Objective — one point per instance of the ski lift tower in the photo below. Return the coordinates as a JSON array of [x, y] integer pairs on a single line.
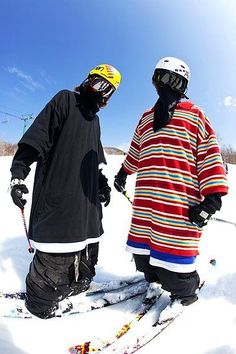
[[25, 118]]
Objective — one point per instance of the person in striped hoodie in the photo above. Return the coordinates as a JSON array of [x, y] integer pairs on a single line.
[[179, 185]]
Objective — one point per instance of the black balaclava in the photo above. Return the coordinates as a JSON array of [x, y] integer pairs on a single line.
[[164, 107], [89, 102]]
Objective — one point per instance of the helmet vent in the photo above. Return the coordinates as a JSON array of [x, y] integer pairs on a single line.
[[174, 65]]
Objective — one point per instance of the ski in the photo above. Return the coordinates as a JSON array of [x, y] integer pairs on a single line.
[[15, 308], [139, 331], [94, 289], [99, 345], [104, 287], [146, 333], [142, 340], [139, 340]]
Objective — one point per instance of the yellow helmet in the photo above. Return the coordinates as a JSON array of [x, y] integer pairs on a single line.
[[109, 73]]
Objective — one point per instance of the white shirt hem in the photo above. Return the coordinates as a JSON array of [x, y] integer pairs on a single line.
[[64, 247], [173, 267]]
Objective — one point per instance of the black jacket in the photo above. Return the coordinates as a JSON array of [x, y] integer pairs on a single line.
[[65, 205]]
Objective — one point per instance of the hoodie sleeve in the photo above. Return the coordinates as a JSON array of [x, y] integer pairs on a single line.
[[22, 160], [42, 134], [210, 168]]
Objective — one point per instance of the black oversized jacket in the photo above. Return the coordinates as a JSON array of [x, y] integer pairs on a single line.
[[66, 213]]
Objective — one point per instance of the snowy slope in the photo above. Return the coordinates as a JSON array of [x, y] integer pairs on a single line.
[[206, 327]]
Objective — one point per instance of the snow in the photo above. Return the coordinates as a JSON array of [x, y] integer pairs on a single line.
[[206, 327]]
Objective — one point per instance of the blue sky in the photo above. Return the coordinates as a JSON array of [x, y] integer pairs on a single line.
[[51, 45]]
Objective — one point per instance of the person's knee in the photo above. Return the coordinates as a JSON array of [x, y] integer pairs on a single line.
[[42, 300], [44, 286], [179, 284], [189, 281], [51, 278]]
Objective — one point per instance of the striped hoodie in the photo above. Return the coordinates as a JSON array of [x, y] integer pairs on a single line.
[[176, 167]]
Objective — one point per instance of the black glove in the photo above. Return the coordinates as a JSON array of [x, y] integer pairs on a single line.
[[105, 195], [201, 213], [120, 180], [104, 192], [17, 190]]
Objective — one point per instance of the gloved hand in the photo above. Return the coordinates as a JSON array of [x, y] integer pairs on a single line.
[[120, 180], [17, 190], [105, 195], [200, 214], [104, 192]]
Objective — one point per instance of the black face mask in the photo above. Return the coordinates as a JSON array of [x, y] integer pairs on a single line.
[[90, 101], [164, 107]]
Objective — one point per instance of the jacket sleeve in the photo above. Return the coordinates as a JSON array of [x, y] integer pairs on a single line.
[[101, 155], [210, 168], [131, 161], [43, 133], [22, 160]]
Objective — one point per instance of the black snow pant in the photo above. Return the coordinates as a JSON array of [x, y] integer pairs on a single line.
[[54, 276], [180, 285]]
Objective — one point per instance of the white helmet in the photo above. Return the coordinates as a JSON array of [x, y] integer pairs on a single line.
[[175, 65], [173, 72]]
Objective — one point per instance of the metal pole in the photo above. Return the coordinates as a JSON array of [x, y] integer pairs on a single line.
[[223, 220], [30, 249]]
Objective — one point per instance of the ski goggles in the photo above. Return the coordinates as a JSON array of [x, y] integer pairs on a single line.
[[165, 77], [99, 84]]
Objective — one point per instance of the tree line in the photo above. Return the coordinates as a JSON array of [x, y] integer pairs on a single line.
[[7, 149], [228, 153]]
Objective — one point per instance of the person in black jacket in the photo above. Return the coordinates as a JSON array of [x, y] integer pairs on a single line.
[[65, 220]]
